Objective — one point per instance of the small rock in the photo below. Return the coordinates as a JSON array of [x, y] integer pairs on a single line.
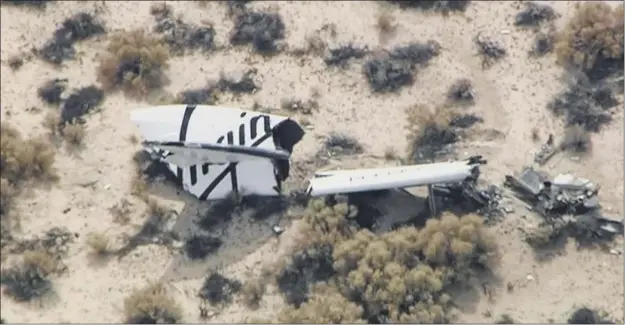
[[107, 186], [277, 230], [615, 252], [529, 277]]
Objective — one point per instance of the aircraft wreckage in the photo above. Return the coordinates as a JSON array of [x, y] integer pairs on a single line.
[[215, 152]]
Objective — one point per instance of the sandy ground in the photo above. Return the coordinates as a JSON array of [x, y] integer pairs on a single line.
[[511, 97]]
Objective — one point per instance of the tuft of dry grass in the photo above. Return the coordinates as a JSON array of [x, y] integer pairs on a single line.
[[253, 291], [121, 212], [73, 133], [99, 245], [51, 122], [135, 62], [151, 305], [594, 33], [385, 23], [15, 62]]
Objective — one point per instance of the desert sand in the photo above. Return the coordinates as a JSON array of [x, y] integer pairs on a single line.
[[510, 96]]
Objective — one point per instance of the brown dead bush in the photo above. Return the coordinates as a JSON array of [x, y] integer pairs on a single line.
[[25, 159], [135, 62], [326, 224], [21, 160], [152, 305], [595, 32], [325, 306]]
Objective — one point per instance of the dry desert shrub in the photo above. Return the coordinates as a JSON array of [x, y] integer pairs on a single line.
[[402, 276], [135, 62], [73, 133], [325, 306], [24, 159], [429, 132], [461, 91], [218, 289], [99, 245], [594, 34], [21, 160], [151, 305], [31, 278]]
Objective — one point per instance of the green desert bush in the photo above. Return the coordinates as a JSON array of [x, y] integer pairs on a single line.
[[402, 276], [151, 305], [595, 32], [135, 62]]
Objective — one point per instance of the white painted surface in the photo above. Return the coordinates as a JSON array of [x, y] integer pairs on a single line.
[[386, 178]]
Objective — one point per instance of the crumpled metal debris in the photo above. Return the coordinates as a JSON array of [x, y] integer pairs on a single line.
[[470, 198], [564, 198], [546, 152]]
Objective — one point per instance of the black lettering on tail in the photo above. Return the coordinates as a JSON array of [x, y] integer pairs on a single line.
[[183, 134]]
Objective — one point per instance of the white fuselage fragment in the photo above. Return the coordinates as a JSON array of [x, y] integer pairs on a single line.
[[358, 180], [211, 173]]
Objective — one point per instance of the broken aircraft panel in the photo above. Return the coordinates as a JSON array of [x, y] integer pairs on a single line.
[[360, 180], [186, 154], [565, 197], [192, 139]]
